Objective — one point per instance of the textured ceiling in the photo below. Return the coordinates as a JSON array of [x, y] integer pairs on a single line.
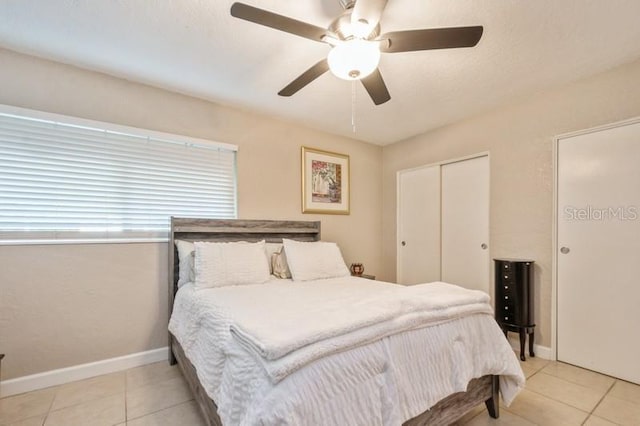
[[195, 47]]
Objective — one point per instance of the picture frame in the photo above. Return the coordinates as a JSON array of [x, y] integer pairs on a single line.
[[325, 182]]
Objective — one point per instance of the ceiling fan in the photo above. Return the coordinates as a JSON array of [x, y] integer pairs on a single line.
[[357, 43]]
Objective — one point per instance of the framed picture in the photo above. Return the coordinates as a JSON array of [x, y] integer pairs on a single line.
[[325, 182]]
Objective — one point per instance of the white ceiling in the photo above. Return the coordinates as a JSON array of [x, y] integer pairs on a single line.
[[195, 47]]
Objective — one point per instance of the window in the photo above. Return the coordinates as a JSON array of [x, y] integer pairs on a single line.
[[64, 179]]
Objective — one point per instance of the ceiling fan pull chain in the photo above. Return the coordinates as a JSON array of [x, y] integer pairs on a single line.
[[353, 106]]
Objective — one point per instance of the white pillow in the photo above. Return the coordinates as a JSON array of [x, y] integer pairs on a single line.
[[224, 264], [279, 266], [314, 260], [186, 252]]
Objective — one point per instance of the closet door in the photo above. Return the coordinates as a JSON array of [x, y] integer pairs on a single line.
[[598, 252], [418, 250], [465, 223], [443, 224]]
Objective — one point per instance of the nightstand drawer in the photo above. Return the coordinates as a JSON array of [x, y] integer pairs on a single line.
[[505, 294], [506, 277], [510, 308]]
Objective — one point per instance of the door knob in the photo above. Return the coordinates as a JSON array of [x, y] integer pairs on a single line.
[[484, 246], [404, 243], [565, 250]]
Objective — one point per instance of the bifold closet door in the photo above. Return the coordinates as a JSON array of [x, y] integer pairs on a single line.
[[465, 223], [418, 227], [598, 251]]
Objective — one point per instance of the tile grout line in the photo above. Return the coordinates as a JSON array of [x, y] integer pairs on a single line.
[[556, 400], [162, 409], [75, 404], [604, 396], [534, 373], [559, 402], [158, 410], [46, 415], [126, 391], [564, 403], [600, 401], [580, 384]]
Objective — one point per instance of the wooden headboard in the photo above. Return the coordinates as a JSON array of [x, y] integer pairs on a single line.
[[272, 231]]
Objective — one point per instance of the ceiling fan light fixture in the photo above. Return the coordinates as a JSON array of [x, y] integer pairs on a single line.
[[360, 29], [357, 42], [354, 59]]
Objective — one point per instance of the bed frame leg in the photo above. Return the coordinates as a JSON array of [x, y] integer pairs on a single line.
[[493, 403], [172, 357]]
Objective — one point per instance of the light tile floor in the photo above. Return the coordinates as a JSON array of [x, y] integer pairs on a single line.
[[157, 395]]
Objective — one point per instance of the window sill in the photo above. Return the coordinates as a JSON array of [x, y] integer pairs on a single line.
[[84, 241]]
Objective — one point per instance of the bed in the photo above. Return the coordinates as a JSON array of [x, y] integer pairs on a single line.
[[306, 385]]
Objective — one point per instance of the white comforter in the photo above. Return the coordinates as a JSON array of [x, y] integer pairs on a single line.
[[343, 351], [345, 317]]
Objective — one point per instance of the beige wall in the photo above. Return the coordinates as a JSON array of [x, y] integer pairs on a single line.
[[519, 138], [62, 305]]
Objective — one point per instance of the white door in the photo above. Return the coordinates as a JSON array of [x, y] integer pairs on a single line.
[[598, 236], [418, 225], [465, 223]]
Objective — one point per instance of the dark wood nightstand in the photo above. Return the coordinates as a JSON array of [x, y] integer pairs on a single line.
[[514, 299], [369, 277]]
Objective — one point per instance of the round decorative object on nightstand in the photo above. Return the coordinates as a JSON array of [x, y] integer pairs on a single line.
[[357, 269]]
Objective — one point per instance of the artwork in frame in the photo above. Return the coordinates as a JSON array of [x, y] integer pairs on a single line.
[[325, 182]]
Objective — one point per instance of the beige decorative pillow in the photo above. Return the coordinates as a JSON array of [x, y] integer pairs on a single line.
[[279, 265], [272, 248]]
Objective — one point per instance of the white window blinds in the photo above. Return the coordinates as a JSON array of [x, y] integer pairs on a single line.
[[68, 179]]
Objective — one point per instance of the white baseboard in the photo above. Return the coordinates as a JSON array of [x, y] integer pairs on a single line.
[[543, 352], [106, 366], [79, 372]]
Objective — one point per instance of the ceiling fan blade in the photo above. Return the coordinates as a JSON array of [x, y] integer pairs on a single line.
[[428, 39], [376, 88], [279, 22], [369, 11], [305, 78]]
